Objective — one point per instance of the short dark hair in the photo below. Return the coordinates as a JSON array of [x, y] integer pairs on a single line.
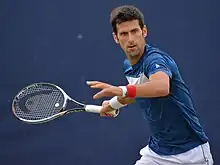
[[125, 13]]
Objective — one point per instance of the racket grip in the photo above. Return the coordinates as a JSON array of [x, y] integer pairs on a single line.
[[97, 109]]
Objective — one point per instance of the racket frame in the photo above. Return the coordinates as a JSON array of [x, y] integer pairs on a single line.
[[84, 107]]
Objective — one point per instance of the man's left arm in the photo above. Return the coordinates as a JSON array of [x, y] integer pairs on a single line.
[[158, 85]]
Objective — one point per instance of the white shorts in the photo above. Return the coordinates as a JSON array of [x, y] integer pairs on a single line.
[[200, 155]]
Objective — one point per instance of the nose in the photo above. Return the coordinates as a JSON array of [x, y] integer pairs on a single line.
[[130, 38]]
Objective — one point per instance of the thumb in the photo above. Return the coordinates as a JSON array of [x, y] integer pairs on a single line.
[[105, 103]]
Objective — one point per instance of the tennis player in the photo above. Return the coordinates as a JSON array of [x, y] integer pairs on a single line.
[[155, 82]]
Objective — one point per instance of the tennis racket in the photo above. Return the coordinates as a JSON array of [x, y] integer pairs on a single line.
[[42, 102]]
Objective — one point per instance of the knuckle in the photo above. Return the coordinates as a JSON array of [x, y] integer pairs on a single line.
[[106, 102]]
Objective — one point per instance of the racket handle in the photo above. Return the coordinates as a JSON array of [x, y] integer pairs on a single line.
[[97, 109]]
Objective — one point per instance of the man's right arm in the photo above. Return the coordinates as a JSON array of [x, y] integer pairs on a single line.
[[125, 100]]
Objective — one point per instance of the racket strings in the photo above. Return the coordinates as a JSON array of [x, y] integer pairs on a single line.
[[39, 102]]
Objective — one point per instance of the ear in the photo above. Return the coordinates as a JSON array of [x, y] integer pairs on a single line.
[[144, 31], [115, 38]]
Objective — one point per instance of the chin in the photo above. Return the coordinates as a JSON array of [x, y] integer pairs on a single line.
[[136, 54]]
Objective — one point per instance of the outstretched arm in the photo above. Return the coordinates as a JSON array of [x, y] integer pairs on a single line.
[[157, 86]]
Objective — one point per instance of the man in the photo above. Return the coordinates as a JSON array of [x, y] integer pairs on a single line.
[[156, 84]]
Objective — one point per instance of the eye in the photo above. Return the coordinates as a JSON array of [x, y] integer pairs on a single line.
[[123, 33], [134, 30]]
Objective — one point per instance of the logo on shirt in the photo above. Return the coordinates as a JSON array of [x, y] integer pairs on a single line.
[[157, 66]]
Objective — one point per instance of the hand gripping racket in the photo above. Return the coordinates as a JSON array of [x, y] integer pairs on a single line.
[[43, 102]]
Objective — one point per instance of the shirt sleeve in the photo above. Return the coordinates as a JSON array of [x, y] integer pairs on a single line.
[[157, 63]]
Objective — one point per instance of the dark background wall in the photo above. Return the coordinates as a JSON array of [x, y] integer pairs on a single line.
[[68, 42]]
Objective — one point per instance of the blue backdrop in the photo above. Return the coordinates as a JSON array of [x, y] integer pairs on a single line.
[[68, 42]]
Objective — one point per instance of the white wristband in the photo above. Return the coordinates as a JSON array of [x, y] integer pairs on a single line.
[[124, 90], [115, 104]]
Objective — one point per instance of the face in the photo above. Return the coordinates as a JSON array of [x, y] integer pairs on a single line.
[[131, 38]]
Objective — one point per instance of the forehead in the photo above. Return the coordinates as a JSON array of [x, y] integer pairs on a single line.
[[128, 25]]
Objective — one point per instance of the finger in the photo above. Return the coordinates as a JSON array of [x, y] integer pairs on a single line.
[[100, 86], [95, 84], [92, 82], [103, 110], [105, 114], [107, 92], [105, 103], [102, 93]]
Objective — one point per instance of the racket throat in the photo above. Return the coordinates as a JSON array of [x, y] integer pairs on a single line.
[[72, 106]]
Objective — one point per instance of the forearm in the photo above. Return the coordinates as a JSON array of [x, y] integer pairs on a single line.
[[155, 88]]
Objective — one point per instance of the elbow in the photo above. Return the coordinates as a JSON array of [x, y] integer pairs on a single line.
[[163, 90]]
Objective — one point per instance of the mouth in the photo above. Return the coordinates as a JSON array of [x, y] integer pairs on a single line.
[[131, 46]]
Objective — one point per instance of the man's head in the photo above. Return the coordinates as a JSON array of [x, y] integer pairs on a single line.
[[129, 30]]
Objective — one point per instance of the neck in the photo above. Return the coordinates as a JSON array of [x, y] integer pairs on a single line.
[[134, 60]]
